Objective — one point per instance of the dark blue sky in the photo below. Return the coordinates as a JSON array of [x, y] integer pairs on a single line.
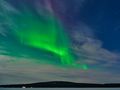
[[103, 16]]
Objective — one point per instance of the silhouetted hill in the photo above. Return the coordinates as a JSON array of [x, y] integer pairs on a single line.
[[59, 84]]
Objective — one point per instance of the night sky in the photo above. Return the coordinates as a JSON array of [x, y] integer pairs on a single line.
[[53, 40], [104, 17]]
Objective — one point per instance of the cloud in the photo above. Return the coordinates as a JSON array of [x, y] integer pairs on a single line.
[[24, 70], [7, 7], [86, 44], [89, 48]]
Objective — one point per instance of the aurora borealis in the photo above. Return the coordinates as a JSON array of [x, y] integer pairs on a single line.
[[47, 40], [43, 32]]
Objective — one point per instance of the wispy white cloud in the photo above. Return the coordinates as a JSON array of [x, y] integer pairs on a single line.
[[7, 7], [24, 70], [90, 47]]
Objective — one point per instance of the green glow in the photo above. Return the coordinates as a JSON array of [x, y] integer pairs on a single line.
[[44, 32]]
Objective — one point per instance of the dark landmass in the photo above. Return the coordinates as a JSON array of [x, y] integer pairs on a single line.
[[60, 84]]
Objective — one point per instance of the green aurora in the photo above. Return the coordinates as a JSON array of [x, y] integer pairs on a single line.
[[44, 32]]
